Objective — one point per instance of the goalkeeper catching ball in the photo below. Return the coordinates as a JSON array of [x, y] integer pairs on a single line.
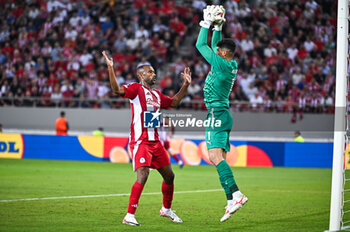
[[218, 85]]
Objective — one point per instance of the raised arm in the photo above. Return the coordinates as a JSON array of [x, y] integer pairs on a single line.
[[203, 47], [186, 75], [214, 41], [217, 29], [112, 80]]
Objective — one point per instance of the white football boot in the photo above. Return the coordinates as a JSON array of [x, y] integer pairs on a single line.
[[231, 209], [170, 214], [130, 220], [181, 164]]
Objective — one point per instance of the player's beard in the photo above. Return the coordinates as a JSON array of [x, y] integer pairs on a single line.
[[151, 81]]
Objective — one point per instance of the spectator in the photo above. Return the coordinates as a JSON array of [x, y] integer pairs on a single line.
[[244, 82], [193, 89], [158, 26], [309, 44], [256, 101], [70, 33], [56, 94], [85, 57], [84, 17], [141, 32], [132, 43], [106, 24], [297, 76], [200, 68], [178, 26], [102, 90], [91, 87], [308, 12], [247, 44], [120, 43], [270, 51], [292, 51]]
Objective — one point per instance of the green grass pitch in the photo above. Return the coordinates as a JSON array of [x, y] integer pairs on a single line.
[[280, 199]]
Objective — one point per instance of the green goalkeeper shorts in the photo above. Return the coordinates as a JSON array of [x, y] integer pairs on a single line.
[[218, 136]]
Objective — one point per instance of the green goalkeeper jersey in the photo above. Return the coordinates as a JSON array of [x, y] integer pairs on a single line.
[[222, 75]]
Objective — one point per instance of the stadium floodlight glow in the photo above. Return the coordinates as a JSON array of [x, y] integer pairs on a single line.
[[339, 118]]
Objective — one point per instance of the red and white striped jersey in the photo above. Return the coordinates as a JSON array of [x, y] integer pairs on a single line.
[[280, 84], [302, 102], [316, 101], [144, 99]]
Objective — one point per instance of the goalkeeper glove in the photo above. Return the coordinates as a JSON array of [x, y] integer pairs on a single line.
[[219, 17], [207, 17]]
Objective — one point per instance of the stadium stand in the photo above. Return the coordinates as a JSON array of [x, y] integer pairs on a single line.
[[51, 52]]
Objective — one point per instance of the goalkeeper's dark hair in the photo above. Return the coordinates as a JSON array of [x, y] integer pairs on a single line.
[[228, 44]]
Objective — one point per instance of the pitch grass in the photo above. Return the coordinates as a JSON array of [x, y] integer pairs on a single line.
[[280, 199]]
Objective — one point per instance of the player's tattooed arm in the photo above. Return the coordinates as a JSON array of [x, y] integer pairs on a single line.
[[186, 75], [114, 84]]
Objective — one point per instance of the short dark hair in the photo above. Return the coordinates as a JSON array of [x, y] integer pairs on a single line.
[[63, 113], [229, 44], [140, 69]]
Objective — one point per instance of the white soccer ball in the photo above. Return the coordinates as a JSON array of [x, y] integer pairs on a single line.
[[218, 14]]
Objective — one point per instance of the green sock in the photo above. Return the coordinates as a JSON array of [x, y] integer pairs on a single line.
[[227, 180]]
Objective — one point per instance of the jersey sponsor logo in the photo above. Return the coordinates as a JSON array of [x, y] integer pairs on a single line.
[[142, 160], [234, 71], [153, 103], [151, 119]]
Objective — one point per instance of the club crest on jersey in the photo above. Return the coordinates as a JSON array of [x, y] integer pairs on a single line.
[[153, 103], [151, 119]]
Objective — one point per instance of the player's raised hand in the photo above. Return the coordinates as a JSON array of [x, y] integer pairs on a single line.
[[208, 14], [186, 75], [219, 13], [109, 61], [218, 17], [207, 17]]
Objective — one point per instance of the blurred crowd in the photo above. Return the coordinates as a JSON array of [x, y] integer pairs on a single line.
[[52, 49]]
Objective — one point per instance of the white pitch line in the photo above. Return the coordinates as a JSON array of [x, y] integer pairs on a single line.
[[154, 193], [294, 191], [107, 195]]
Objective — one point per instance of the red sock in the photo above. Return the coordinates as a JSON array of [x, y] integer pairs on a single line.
[[135, 194], [176, 158], [168, 192]]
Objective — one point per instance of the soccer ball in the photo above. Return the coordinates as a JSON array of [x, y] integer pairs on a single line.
[[218, 14]]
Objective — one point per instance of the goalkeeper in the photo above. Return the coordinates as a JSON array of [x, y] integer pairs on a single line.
[[218, 85]]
